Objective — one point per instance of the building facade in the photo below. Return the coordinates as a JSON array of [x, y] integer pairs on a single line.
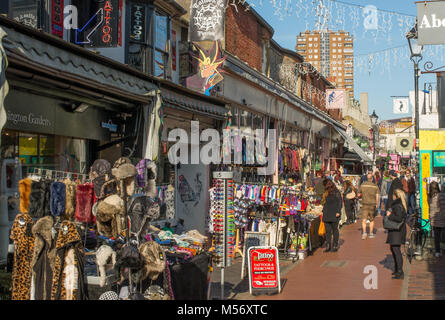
[[331, 53]]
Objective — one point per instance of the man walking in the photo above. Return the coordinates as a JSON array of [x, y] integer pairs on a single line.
[[369, 192], [409, 187]]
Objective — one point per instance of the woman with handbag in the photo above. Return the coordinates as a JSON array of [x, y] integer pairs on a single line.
[[349, 196], [394, 222], [331, 215]]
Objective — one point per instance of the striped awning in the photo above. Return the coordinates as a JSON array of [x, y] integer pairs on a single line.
[[179, 101]]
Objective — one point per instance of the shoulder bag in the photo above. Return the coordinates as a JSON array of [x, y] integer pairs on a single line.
[[392, 225]]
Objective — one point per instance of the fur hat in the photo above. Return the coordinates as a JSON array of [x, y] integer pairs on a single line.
[[58, 198], [39, 199], [128, 257], [153, 257], [25, 192], [108, 215], [84, 202], [103, 255]]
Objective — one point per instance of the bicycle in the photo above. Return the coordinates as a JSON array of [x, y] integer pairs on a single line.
[[417, 236]]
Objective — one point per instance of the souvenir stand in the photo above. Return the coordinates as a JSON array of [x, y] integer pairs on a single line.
[[90, 236], [222, 224]]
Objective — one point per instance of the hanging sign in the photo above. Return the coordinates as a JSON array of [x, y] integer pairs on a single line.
[[264, 270], [57, 18], [401, 105], [207, 20], [137, 23], [431, 22]]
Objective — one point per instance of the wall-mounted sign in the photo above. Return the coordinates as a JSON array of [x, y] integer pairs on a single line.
[[207, 20], [264, 270], [137, 23], [438, 159], [335, 99], [57, 18], [110, 126], [431, 22], [100, 27], [25, 12]]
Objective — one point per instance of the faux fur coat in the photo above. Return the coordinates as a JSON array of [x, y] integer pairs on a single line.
[[43, 258], [68, 281], [39, 201], [25, 191], [23, 249], [84, 202], [70, 206], [58, 198]]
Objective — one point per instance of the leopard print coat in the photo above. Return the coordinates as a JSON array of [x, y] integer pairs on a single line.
[[68, 278], [23, 251]]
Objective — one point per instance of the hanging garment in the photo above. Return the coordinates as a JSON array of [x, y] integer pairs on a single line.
[[58, 198], [43, 258], [70, 204], [68, 281], [39, 200], [84, 202], [23, 249], [25, 192]]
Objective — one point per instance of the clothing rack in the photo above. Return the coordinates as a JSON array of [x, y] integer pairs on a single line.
[[55, 173]]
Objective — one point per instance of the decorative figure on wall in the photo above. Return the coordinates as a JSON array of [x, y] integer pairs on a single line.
[[209, 74]]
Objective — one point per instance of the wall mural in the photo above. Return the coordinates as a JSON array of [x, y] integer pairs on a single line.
[[209, 69]]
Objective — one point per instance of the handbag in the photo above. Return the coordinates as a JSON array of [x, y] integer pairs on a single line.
[[392, 225], [321, 229]]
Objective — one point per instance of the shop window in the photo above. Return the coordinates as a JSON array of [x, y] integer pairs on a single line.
[[44, 151], [148, 51]]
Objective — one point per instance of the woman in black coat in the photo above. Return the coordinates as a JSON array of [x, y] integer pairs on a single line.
[[397, 237], [331, 215]]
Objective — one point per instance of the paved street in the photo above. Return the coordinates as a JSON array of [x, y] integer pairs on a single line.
[[340, 276]]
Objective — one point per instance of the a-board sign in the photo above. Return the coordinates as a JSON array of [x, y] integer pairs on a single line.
[[253, 239], [264, 270]]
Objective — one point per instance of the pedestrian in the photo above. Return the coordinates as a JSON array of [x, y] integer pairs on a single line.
[[349, 196], [378, 180], [319, 186], [409, 187], [331, 215], [397, 237], [436, 202], [369, 192], [364, 178], [384, 189], [395, 184]]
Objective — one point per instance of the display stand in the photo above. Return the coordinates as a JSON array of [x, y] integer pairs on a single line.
[[224, 235]]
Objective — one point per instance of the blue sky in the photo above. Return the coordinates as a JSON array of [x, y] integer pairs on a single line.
[[390, 72]]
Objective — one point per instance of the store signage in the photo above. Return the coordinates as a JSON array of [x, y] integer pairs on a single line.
[[207, 20], [439, 159], [431, 22], [264, 270], [137, 24], [110, 126], [30, 118], [102, 28], [57, 18], [25, 12]]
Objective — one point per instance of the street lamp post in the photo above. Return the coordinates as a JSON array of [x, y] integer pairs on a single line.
[[416, 57], [374, 118]]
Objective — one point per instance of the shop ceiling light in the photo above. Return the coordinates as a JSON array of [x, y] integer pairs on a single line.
[[80, 108]]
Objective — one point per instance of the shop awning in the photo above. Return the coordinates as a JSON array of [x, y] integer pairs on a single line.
[[182, 102], [353, 146]]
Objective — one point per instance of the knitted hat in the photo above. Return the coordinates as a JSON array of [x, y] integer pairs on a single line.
[[25, 191]]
